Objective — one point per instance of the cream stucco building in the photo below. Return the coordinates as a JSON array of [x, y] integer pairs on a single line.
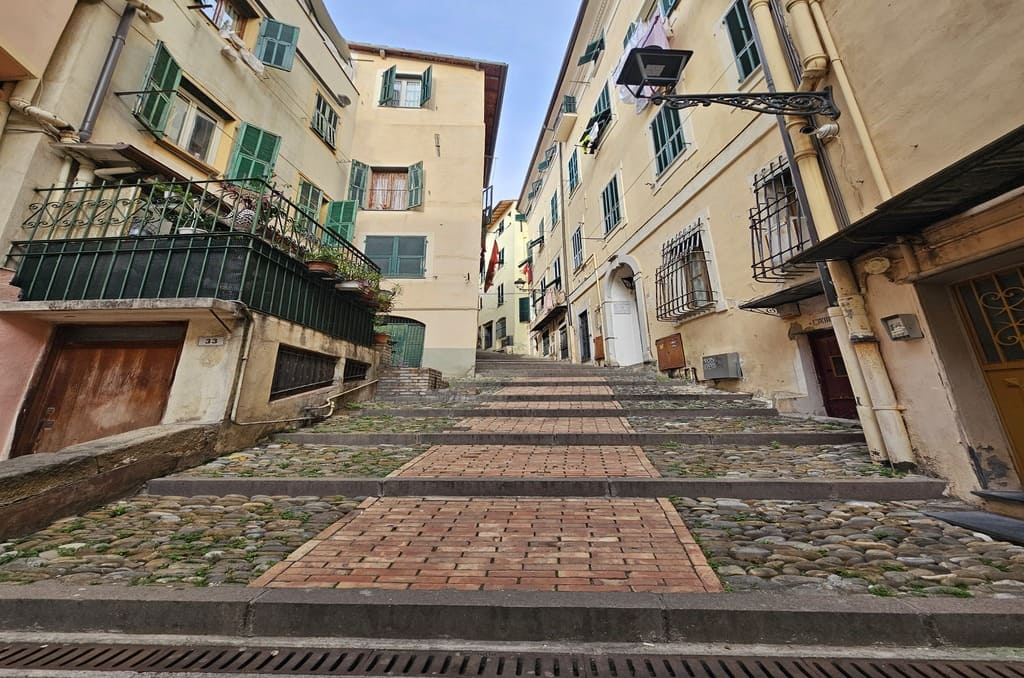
[[505, 309], [743, 250]]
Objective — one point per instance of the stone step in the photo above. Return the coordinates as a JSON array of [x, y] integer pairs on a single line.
[[624, 398], [679, 413], [739, 618], [640, 439], [905, 489]]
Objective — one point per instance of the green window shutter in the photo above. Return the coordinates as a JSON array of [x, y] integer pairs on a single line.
[[427, 85], [524, 309], [568, 104], [325, 120], [162, 79], [592, 51], [276, 44], [387, 87], [357, 181], [341, 221], [667, 6], [574, 170], [416, 185], [632, 29], [554, 208], [254, 154], [398, 256]]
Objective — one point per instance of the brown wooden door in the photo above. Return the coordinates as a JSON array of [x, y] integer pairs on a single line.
[[832, 376], [993, 309], [92, 388]]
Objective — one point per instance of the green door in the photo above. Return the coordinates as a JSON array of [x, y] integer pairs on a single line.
[[406, 341]]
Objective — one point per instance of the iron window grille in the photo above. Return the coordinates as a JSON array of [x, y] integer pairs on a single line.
[[297, 371], [778, 227], [683, 280], [355, 370], [500, 330]]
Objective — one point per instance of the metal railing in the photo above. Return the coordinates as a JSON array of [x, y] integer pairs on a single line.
[[238, 241]]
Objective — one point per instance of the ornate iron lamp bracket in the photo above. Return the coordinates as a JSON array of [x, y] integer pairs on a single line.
[[774, 103]]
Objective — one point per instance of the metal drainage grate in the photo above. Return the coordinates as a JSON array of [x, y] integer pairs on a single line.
[[366, 662]]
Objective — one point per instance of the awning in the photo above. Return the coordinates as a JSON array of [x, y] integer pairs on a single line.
[[789, 295], [551, 314], [981, 176]]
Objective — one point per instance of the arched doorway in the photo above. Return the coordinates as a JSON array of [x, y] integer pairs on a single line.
[[622, 317], [406, 340]]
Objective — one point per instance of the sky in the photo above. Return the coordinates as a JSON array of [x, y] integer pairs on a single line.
[[490, 30]]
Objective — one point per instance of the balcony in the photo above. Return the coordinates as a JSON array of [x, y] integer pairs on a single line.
[[551, 305], [566, 118], [237, 241]]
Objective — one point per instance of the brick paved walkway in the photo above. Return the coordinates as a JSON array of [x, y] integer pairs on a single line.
[[545, 425], [529, 461], [502, 544]]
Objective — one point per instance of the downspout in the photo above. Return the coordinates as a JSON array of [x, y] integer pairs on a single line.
[[813, 60], [99, 92], [862, 345]]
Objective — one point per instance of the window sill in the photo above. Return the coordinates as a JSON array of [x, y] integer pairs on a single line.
[[609, 233], [211, 171]]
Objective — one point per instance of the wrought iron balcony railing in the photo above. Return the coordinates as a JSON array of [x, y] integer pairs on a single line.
[[238, 241]]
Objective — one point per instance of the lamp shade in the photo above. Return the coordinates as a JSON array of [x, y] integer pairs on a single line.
[[653, 67]]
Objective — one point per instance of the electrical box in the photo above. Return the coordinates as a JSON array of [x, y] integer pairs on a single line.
[[902, 327], [670, 352], [722, 366]]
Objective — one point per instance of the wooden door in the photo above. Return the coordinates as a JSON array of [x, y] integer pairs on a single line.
[[993, 310], [836, 390], [95, 384]]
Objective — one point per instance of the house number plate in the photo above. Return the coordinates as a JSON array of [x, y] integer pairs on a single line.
[[211, 341]]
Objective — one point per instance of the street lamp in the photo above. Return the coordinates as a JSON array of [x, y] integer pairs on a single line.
[[655, 67]]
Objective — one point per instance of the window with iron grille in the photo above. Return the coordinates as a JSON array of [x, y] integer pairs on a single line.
[[297, 371], [355, 370], [610, 205], [778, 229], [683, 281], [577, 248], [499, 328], [324, 121], [667, 133], [741, 37]]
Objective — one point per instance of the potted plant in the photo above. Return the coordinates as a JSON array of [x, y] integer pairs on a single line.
[[356, 276], [322, 260]]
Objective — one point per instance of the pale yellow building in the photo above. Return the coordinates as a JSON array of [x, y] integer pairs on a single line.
[[693, 235], [505, 309], [422, 158]]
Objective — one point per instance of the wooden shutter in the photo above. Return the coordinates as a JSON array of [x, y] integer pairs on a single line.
[[357, 181], [388, 97], [276, 44], [341, 221], [667, 6], [416, 185], [524, 309], [592, 51], [427, 85], [254, 154], [163, 76]]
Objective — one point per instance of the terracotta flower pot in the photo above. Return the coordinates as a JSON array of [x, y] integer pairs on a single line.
[[324, 268], [381, 338]]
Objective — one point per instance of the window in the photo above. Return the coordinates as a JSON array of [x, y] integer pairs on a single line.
[[667, 132], [546, 342], [554, 208], [598, 122], [325, 120], [668, 5], [225, 15], [604, 101], [192, 128], [355, 370], [501, 294], [298, 371], [403, 90], [556, 273], [501, 257], [574, 170], [741, 37], [683, 281], [577, 248], [592, 52], [386, 188], [340, 221], [524, 309], [309, 199], [276, 44], [159, 85], [500, 330], [629, 33], [398, 256], [254, 154], [777, 227], [610, 205]]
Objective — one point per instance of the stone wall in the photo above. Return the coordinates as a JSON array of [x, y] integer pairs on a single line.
[[409, 381]]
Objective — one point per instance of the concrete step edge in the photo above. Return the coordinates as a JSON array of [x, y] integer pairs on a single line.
[[468, 438], [748, 618], [677, 412], [867, 489]]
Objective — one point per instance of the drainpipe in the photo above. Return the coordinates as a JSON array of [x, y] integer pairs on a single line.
[[813, 61], [862, 344], [99, 92]]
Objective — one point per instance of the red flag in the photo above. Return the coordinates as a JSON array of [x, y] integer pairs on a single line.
[[528, 271], [491, 267]]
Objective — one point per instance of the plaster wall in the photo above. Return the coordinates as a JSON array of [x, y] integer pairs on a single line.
[[24, 341], [28, 35], [512, 240], [205, 379], [447, 135]]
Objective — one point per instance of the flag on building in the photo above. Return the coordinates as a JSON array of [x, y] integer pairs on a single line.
[[492, 266]]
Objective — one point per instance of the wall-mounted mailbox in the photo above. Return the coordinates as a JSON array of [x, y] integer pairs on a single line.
[[722, 366], [902, 327], [670, 352]]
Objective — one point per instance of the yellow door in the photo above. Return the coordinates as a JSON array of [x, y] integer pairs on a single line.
[[993, 307]]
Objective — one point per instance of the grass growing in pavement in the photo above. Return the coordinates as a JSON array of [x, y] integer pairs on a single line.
[[384, 423], [289, 460]]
